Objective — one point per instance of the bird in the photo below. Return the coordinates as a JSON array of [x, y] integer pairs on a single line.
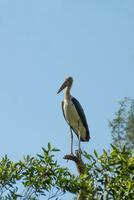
[[74, 114]]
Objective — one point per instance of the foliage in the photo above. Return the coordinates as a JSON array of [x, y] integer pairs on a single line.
[[109, 176], [39, 176], [123, 124], [113, 174]]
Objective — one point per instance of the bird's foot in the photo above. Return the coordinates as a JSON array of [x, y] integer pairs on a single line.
[[78, 151], [71, 153]]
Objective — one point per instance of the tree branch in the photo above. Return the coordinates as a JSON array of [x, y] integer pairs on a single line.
[[78, 161]]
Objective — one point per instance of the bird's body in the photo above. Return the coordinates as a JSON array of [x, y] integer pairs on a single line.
[[74, 114], [74, 119]]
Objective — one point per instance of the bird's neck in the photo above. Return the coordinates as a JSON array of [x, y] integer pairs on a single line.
[[67, 94]]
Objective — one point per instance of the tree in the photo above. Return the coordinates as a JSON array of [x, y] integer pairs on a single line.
[[109, 176], [122, 125]]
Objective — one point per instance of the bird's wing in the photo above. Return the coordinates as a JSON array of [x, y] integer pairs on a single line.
[[82, 116]]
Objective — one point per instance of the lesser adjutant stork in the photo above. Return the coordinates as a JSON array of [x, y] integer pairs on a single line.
[[74, 114]]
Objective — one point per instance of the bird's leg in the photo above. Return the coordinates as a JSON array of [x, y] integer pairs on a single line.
[[79, 145], [79, 140], [71, 140]]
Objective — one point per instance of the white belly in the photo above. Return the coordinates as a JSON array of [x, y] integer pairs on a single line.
[[73, 118]]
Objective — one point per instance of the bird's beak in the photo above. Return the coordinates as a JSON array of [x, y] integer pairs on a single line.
[[62, 87]]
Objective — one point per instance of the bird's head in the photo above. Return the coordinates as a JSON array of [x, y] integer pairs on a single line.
[[67, 83]]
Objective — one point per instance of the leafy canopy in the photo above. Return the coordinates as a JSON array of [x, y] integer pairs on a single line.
[[109, 176], [122, 125]]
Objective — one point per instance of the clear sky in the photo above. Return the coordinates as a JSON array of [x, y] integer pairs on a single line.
[[42, 42]]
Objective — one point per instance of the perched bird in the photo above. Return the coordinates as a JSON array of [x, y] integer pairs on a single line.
[[74, 114]]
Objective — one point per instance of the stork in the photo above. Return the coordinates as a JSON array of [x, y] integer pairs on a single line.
[[74, 114]]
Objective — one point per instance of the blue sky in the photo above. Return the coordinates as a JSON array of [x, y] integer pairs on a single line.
[[42, 42]]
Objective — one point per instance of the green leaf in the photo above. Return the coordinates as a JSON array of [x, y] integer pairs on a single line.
[[54, 149], [49, 146], [95, 153]]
